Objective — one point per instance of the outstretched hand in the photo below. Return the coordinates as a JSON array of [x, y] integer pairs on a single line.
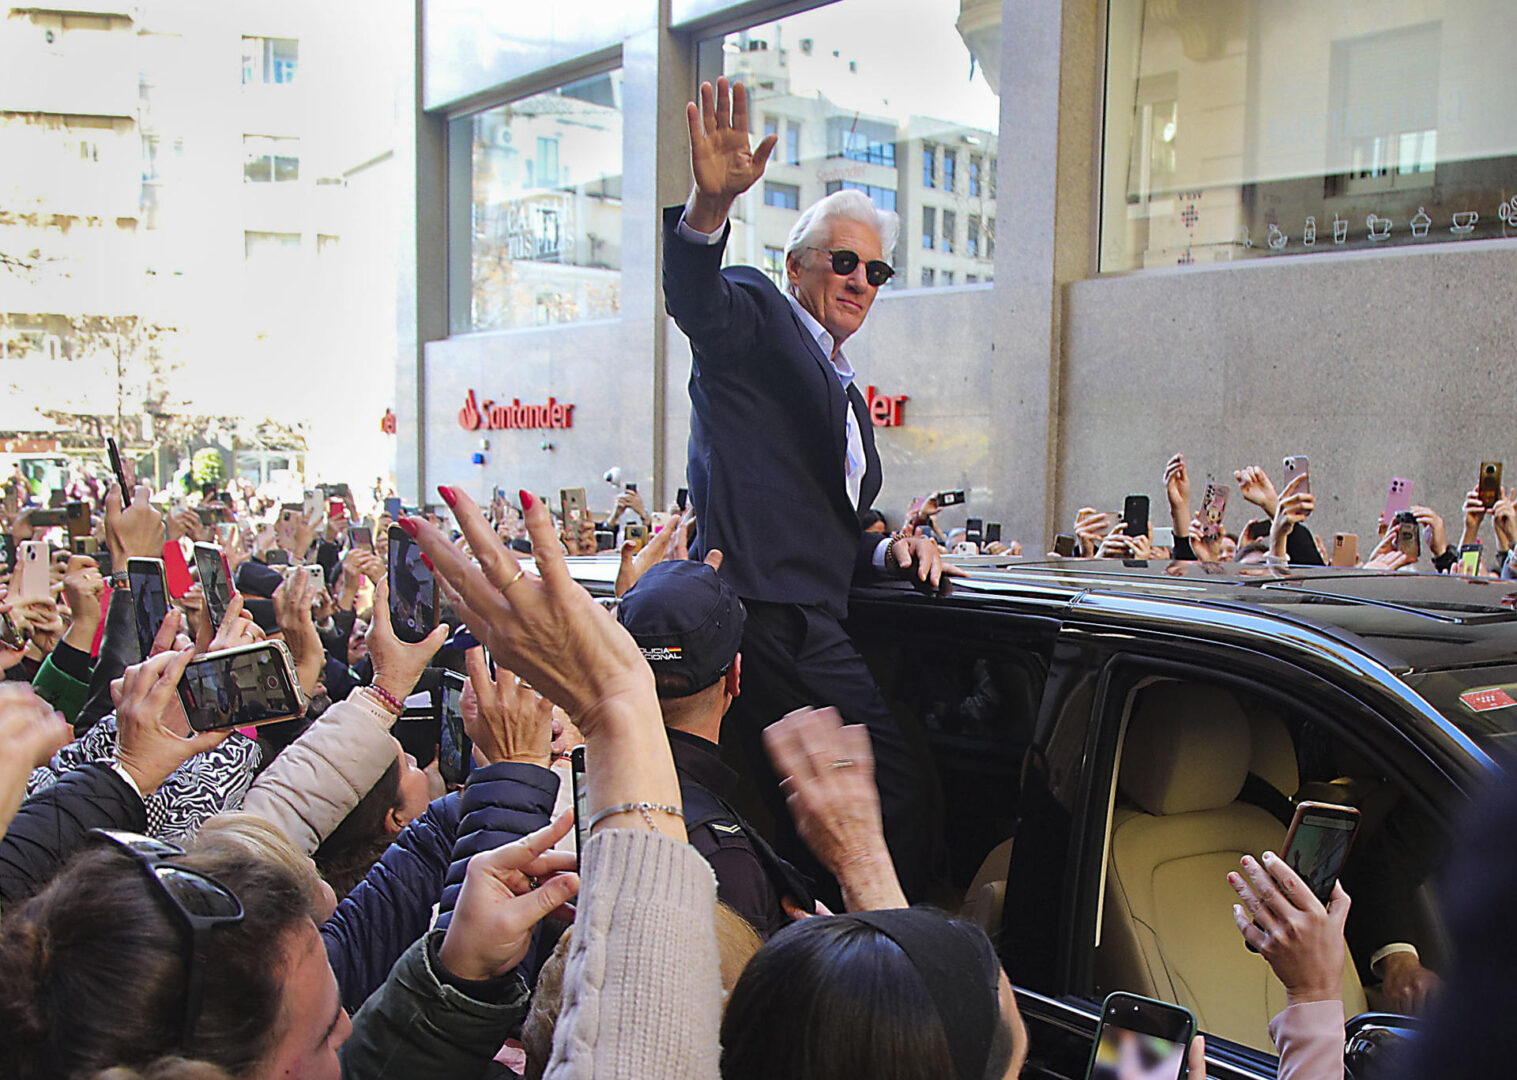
[[720, 157], [1301, 939]]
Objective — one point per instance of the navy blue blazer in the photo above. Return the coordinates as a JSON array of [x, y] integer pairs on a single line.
[[767, 443]]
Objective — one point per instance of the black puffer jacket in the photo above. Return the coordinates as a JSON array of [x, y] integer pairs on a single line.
[[52, 824]]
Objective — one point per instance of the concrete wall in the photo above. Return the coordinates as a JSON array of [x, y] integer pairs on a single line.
[[1374, 366]]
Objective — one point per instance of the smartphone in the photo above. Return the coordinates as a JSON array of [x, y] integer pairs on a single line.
[[150, 599], [56, 498], [1213, 510], [1408, 534], [77, 518], [276, 558], [974, 531], [1298, 466], [360, 538], [1064, 545], [393, 508], [1490, 483], [413, 589], [573, 502], [119, 468], [317, 574], [682, 499], [632, 488], [949, 498], [638, 532], [1469, 559], [1345, 549], [10, 634], [215, 581], [992, 532], [8, 551], [1164, 536], [1141, 1039], [208, 515], [1135, 515], [311, 506], [241, 687], [34, 579], [336, 508], [455, 752], [1399, 500], [1318, 844], [47, 519], [581, 798]]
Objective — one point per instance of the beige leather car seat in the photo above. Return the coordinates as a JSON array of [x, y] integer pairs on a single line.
[[985, 898], [1168, 929], [1272, 753]]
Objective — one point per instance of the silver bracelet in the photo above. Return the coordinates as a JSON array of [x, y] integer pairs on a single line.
[[644, 808]]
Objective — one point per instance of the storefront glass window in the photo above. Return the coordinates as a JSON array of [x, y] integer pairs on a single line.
[[1269, 128], [546, 207], [890, 111]]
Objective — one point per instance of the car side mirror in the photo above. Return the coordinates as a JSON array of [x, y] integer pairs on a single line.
[[1375, 1043]]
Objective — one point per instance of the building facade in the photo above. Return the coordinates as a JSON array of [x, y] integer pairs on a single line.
[[1240, 230]]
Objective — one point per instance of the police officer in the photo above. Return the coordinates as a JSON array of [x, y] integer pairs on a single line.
[[689, 624]]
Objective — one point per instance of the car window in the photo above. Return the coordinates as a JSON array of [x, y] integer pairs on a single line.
[[1208, 770], [967, 693]]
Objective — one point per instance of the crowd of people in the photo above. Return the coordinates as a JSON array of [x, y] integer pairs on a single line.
[[309, 898]]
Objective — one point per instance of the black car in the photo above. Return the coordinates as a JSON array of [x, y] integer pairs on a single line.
[[1105, 739]]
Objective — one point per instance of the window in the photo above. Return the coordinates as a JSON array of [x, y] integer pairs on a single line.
[[950, 223], [929, 227], [972, 238], [950, 164], [947, 277], [774, 265], [974, 176], [544, 225], [269, 159], [327, 244], [884, 198], [269, 60], [849, 116], [1361, 134], [971, 279], [160, 157], [784, 196], [992, 178], [270, 253], [926, 277], [990, 238]]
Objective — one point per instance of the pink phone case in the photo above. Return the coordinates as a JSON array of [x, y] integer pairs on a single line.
[[33, 577], [1399, 500]]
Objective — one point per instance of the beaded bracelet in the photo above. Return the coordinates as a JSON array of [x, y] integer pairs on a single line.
[[644, 808], [387, 699]]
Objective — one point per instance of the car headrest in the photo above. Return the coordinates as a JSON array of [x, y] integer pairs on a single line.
[[1187, 749], [1274, 754]]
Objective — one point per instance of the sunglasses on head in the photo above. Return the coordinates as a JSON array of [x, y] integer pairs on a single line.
[[202, 904], [844, 262]]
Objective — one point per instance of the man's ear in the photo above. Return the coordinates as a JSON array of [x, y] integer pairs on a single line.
[[793, 266], [734, 677]]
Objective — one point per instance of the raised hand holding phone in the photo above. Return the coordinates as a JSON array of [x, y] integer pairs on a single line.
[[149, 742], [720, 158], [1142, 1038], [132, 531], [412, 592], [398, 664], [1300, 938]]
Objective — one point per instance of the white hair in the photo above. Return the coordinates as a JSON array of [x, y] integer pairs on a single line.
[[811, 228]]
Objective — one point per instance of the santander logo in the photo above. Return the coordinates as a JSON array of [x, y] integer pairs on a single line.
[[492, 416]]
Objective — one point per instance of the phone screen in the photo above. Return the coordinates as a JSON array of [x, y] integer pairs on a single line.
[[581, 798], [413, 589], [150, 602], [1469, 560], [362, 537], [1319, 848], [392, 507], [238, 688], [454, 750], [682, 499], [1141, 1040], [211, 567], [8, 550]]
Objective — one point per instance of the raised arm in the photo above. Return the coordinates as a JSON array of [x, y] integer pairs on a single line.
[[720, 158]]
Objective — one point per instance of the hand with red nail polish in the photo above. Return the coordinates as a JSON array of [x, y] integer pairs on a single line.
[[447, 495], [408, 526]]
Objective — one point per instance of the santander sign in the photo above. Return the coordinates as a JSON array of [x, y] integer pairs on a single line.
[[497, 416]]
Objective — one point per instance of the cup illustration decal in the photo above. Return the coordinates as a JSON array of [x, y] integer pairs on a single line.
[[1277, 239], [1508, 212], [1244, 240], [1309, 235], [1421, 223], [1464, 223], [1379, 227], [1340, 229]]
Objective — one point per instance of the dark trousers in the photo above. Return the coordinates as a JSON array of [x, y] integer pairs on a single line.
[[795, 656]]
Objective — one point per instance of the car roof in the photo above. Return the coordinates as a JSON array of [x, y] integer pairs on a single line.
[[1409, 622]]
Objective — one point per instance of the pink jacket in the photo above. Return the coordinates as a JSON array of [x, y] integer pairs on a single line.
[[1309, 1039]]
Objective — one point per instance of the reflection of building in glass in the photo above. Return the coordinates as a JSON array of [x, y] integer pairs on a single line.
[[546, 207], [938, 176], [1301, 128]]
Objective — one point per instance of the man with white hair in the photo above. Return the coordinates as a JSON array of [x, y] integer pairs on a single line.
[[782, 456]]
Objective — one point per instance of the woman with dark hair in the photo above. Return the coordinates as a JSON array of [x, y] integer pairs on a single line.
[[401, 795]]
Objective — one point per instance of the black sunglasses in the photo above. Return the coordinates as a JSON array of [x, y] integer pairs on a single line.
[[844, 262], [203, 903]]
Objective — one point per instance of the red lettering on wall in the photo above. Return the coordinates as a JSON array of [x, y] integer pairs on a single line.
[[493, 416], [886, 411], [387, 423]]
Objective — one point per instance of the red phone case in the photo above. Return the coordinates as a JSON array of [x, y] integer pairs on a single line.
[[175, 570]]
